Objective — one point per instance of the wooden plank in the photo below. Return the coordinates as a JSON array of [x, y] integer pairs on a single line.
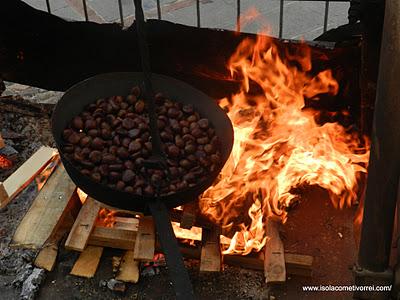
[[274, 259], [47, 256], [145, 240], [189, 214], [296, 264], [25, 174], [2, 144], [88, 261], [113, 237], [210, 260], [129, 268], [45, 211], [83, 226], [126, 223]]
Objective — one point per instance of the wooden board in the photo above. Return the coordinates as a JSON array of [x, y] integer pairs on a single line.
[[83, 226], [126, 223], [25, 174], [45, 211], [47, 256], [88, 261], [210, 260], [189, 214], [129, 268], [274, 259], [2, 144], [145, 240], [113, 237], [296, 264]]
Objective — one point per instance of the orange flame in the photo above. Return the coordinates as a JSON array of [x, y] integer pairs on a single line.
[[5, 163], [82, 195], [279, 146], [106, 217]]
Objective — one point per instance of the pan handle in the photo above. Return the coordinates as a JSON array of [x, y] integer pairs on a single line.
[[177, 270]]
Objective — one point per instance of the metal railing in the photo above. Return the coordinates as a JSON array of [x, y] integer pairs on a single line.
[[198, 12]]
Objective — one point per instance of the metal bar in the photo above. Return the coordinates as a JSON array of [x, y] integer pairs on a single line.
[[121, 13], [198, 12], [281, 18], [384, 164], [158, 9], [326, 15], [177, 270], [48, 6], [85, 10], [237, 15]]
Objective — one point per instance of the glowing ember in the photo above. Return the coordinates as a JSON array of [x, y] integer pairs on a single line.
[[278, 145], [5, 163]]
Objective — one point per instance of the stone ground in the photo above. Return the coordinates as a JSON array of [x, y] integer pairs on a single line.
[[301, 19]]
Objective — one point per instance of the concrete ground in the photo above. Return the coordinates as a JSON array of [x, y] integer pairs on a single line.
[[301, 20]]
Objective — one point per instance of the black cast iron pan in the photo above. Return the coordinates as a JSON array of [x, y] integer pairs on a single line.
[[114, 84]]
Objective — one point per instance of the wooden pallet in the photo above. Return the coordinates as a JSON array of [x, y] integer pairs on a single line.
[[58, 211]]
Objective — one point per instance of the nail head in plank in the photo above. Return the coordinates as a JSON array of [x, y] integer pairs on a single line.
[[45, 211], [88, 261], [145, 240], [129, 268], [274, 259], [83, 226], [17, 181]]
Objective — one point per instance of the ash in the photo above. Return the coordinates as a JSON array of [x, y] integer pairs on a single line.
[[19, 279], [26, 133]]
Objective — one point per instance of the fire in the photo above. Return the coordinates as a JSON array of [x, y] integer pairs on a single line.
[[278, 144], [5, 163], [106, 217], [82, 195]]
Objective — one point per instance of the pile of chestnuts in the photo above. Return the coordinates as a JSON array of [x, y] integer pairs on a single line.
[[110, 142]]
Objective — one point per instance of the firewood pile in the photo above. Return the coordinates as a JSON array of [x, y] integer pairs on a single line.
[[60, 209]]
